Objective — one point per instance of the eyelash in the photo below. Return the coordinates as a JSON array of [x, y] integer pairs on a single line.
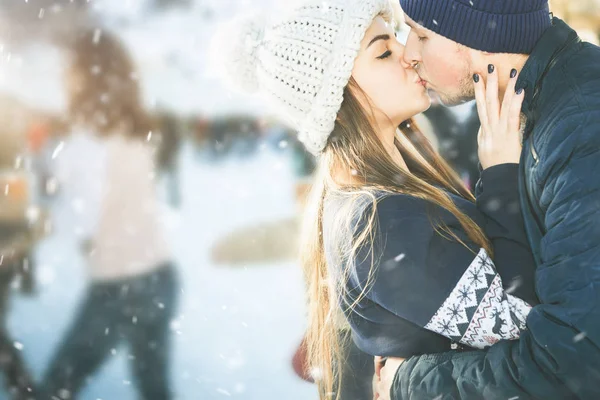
[[422, 38], [385, 55]]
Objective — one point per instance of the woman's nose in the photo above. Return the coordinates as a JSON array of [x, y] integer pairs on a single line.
[[404, 64], [400, 53]]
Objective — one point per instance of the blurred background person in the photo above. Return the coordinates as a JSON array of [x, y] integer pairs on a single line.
[[132, 290]]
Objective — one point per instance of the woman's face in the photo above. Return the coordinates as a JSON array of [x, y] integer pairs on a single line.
[[394, 88]]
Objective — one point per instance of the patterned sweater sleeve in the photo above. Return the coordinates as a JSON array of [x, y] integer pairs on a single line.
[[423, 275]]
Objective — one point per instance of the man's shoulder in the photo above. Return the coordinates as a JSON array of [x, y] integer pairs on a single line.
[[574, 85], [569, 93]]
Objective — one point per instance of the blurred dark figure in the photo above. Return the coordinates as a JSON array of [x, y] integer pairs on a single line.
[[457, 141], [18, 381], [132, 294], [168, 155], [220, 137], [21, 226]]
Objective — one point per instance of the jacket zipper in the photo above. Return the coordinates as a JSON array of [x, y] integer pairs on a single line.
[[534, 153]]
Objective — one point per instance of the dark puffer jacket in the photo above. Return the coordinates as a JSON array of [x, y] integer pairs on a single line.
[[558, 357]]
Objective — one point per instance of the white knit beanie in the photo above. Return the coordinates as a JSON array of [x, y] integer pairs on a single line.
[[303, 61]]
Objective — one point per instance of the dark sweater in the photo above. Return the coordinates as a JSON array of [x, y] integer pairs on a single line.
[[426, 290]]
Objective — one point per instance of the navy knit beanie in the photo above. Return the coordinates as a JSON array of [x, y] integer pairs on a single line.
[[495, 26]]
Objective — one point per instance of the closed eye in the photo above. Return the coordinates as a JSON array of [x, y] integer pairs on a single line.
[[385, 55]]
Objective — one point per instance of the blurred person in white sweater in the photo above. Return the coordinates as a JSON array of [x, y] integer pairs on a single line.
[[108, 173]]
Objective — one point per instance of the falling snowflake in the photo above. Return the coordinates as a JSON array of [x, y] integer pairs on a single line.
[[175, 325], [514, 285], [57, 150], [579, 337], [64, 394], [239, 388], [97, 36], [32, 214], [316, 373], [96, 70], [18, 162]]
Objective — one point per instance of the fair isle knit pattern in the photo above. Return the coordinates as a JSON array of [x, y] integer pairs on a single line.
[[478, 313], [303, 61]]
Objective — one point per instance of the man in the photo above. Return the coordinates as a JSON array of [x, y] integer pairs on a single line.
[[558, 356]]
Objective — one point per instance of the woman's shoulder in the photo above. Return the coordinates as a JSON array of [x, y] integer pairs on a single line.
[[381, 209], [394, 210], [366, 200], [389, 208]]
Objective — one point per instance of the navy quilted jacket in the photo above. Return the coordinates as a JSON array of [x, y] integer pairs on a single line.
[[558, 356]]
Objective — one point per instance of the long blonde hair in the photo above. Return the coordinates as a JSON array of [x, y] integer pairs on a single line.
[[354, 146]]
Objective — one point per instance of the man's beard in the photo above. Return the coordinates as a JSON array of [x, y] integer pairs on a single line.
[[466, 93]]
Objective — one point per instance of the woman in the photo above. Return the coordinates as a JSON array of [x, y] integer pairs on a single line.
[[132, 294], [392, 237]]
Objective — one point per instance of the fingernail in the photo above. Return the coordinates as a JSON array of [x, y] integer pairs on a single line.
[[519, 91], [476, 78], [490, 68], [513, 73]]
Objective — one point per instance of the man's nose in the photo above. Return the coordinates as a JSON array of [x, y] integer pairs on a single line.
[[412, 52]]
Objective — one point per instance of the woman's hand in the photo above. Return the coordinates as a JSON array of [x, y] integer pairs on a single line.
[[499, 138], [385, 372]]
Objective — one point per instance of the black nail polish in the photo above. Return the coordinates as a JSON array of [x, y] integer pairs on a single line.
[[519, 91], [490, 68], [513, 73], [476, 78]]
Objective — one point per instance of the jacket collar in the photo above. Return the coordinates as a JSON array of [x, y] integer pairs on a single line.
[[544, 57]]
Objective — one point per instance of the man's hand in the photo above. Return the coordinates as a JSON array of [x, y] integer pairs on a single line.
[[385, 371]]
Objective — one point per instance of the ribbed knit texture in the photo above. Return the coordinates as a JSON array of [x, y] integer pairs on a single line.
[[303, 61], [496, 26]]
